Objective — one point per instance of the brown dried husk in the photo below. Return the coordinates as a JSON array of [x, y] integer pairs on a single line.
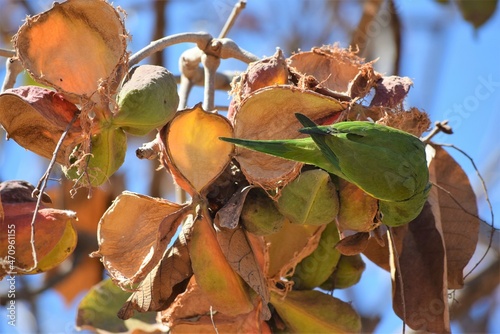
[[337, 69], [269, 113], [75, 47], [36, 117]]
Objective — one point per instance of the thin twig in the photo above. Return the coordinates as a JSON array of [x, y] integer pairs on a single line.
[[438, 127], [201, 39], [238, 7], [210, 64], [13, 68], [41, 188], [7, 53], [396, 34]]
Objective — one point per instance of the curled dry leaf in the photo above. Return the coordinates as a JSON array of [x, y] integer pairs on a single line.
[[19, 191], [35, 118], [336, 69], [133, 235], [353, 244], [422, 299], [238, 252], [50, 46], [55, 237], [229, 215], [163, 284], [269, 113], [195, 154], [455, 200]]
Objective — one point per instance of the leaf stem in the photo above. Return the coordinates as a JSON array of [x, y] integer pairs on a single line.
[[13, 68], [238, 7], [210, 64]]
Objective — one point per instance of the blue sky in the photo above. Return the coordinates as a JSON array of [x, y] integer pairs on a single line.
[[455, 73]]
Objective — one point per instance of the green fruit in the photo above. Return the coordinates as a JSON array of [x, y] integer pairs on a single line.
[[259, 214], [147, 100], [348, 273], [107, 154], [310, 199], [320, 264]]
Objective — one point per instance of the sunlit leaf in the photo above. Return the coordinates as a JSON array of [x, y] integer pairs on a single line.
[[73, 46], [134, 233], [194, 148], [36, 117], [269, 113]]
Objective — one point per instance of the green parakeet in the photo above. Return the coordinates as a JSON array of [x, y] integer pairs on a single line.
[[387, 163]]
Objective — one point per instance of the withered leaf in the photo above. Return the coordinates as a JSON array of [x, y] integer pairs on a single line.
[[353, 244], [134, 233], [162, 285], [239, 254], [50, 46], [19, 191], [422, 299], [36, 117], [229, 215], [456, 202], [391, 91]]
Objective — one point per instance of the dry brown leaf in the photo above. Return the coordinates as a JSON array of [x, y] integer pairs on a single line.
[[378, 254], [337, 69], [36, 117], [353, 244], [75, 46], [163, 284], [196, 156], [422, 300], [269, 113], [239, 254], [457, 211], [134, 233], [229, 215]]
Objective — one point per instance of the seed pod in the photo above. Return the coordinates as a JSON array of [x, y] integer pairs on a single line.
[[357, 210], [310, 199], [312, 311], [260, 215], [108, 150], [320, 264], [348, 273], [147, 100]]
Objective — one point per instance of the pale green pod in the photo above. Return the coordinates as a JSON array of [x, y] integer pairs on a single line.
[[313, 270], [147, 100], [260, 215], [310, 199]]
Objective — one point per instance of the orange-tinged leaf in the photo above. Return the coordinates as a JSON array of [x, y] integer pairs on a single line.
[[73, 46], [36, 117], [194, 148], [459, 220], [134, 233], [269, 113], [225, 290]]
